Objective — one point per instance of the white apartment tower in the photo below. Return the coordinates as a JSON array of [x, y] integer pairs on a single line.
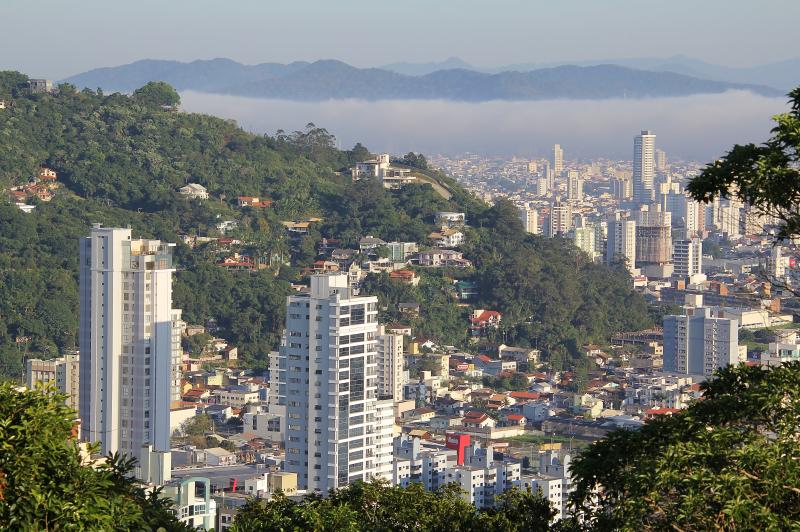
[[621, 240], [661, 160], [644, 170], [390, 364], [560, 218], [130, 350], [530, 219], [558, 159], [333, 414], [698, 344], [574, 187], [688, 257]]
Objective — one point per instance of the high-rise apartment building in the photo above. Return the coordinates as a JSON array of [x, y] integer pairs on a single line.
[[574, 187], [698, 344], [654, 240], [390, 364], [63, 372], [621, 240], [622, 188], [530, 219], [560, 218], [333, 409], [130, 352], [661, 160], [644, 167], [584, 238], [558, 159], [688, 257]]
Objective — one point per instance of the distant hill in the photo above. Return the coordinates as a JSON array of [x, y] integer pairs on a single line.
[[330, 79], [783, 75]]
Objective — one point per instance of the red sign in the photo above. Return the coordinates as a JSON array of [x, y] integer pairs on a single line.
[[459, 442]]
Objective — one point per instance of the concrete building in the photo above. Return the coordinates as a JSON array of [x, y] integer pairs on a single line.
[[661, 160], [621, 240], [63, 372], [560, 218], [329, 349], [193, 503], [40, 86], [621, 188], [786, 349], [574, 187], [644, 171], [129, 341], [585, 240], [391, 376], [687, 257], [653, 240], [558, 159], [530, 219], [472, 467], [698, 344]]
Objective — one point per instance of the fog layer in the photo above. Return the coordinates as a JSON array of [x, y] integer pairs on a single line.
[[696, 128]]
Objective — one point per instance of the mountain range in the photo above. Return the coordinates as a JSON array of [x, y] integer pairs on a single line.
[[783, 75], [331, 79]]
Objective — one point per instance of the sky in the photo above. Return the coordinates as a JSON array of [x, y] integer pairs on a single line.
[[56, 38]]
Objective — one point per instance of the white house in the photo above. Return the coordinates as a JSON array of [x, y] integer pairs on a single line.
[[194, 190]]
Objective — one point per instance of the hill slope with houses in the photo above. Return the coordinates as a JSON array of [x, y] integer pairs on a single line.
[[255, 215]]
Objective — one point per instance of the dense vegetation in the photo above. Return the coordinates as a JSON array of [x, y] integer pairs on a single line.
[[377, 507], [728, 462], [766, 176], [45, 485], [122, 159]]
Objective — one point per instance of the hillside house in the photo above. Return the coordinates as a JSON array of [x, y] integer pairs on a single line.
[[253, 201], [194, 191], [447, 238]]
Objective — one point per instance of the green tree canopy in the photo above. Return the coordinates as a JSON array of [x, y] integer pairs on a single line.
[[45, 485], [157, 93], [767, 177], [377, 507], [729, 462]]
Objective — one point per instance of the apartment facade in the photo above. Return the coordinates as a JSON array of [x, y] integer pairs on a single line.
[[129, 341], [329, 351], [698, 344], [644, 170], [63, 372]]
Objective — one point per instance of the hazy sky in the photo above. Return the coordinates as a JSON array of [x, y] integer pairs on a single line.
[[58, 38]]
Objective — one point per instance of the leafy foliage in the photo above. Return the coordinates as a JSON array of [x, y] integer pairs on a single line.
[[551, 295], [378, 507], [767, 177], [730, 461], [45, 485], [157, 93]]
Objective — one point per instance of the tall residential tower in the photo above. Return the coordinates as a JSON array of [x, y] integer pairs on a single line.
[[130, 351], [334, 415], [644, 169]]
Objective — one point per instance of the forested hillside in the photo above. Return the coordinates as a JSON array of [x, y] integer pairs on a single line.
[[121, 159]]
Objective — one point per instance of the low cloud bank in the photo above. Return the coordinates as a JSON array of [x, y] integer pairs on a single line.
[[698, 128]]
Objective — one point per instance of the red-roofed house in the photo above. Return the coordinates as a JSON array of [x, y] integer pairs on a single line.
[[252, 201], [482, 320], [405, 276], [524, 396], [651, 413], [477, 420], [515, 420]]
